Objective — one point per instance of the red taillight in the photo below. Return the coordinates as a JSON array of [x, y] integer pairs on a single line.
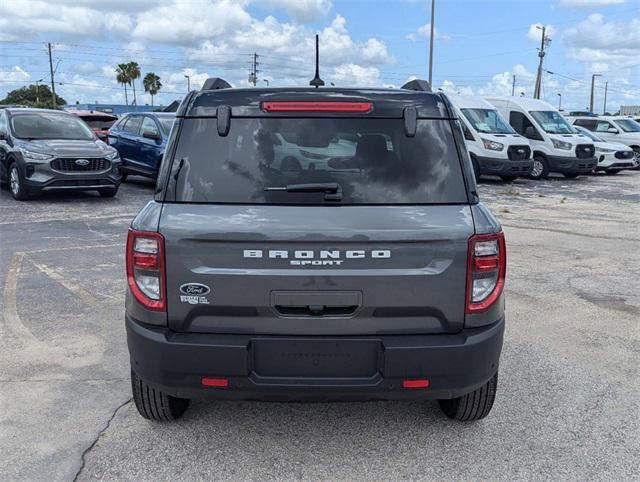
[[486, 270], [424, 383], [215, 382], [359, 107], [145, 268]]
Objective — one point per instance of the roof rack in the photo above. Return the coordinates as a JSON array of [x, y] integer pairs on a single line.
[[417, 84], [215, 83]]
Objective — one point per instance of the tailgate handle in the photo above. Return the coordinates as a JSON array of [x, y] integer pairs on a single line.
[[316, 303]]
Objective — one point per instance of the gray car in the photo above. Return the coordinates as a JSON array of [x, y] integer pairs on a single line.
[[364, 273], [47, 150]]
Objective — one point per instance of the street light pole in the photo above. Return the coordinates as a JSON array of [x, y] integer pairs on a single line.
[[593, 83], [433, 10], [606, 89], [188, 82], [38, 92], [559, 101]]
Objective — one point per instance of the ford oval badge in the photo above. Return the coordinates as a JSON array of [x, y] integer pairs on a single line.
[[195, 289]]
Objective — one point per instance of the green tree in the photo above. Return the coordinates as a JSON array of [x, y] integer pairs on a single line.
[[32, 96], [122, 76], [134, 73], [152, 84]]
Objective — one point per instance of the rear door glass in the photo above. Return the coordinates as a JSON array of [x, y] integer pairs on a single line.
[[132, 125], [371, 160]]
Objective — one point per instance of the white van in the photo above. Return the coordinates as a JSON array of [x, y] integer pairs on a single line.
[[557, 147], [495, 148], [619, 129]]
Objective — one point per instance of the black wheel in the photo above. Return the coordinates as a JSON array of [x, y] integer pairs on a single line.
[[540, 168], [16, 183], [610, 173], [508, 178], [123, 176], [155, 405], [108, 191], [472, 406], [476, 168], [572, 175]]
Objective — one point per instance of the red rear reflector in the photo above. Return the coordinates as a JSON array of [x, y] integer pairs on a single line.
[[215, 382], [489, 263], [415, 383], [361, 107], [145, 261]]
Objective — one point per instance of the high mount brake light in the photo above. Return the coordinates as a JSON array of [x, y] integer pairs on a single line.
[[292, 106], [146, 268], [486, 270]]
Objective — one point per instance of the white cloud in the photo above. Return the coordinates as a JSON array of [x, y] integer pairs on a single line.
[[604, 45], [178, 22], [425, 31], [535, 32], [588, 3], [302, 10], [353, 74]]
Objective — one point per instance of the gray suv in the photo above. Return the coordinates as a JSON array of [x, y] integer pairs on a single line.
[[315, 244], [49, 150]]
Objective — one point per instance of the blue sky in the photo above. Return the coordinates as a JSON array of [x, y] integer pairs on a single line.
[[480, 44]]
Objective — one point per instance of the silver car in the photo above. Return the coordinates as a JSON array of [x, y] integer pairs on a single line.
[[46, 150]]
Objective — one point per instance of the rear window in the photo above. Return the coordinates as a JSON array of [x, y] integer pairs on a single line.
[[265, 160]]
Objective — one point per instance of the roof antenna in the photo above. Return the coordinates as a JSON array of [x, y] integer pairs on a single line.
[[317, 81]]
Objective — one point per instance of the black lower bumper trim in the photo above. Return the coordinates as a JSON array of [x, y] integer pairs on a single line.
[[504, 167], [571, 165], [320, 368]]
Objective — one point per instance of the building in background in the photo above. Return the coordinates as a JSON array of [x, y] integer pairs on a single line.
[[630, 110], [117, 109]]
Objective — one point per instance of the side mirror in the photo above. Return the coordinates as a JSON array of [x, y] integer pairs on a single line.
[[613, 130], [151, 135], [531, 133]]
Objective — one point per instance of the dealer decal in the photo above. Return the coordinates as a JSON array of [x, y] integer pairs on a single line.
[[194, 293]]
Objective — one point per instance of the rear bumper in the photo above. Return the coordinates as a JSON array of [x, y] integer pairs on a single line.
[[339, 368], [571, 165], [504, 167]]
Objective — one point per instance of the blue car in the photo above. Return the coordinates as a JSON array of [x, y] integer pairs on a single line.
[[141, 138]]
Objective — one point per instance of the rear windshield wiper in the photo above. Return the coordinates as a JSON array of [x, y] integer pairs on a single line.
[[332, 190]]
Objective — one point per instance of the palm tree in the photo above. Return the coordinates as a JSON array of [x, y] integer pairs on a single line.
[[134, 73], [122, 76], [152, 84]]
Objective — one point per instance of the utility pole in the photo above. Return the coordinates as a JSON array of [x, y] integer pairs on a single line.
[[433, 10], [606, 89], [188, 77], [559, 101], [541, 53], [253, 75], [53, 85], [593, 83], [513, 86]]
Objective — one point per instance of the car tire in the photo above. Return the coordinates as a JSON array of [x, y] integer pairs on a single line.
[[612, 172], [155, 405], [123, 176], [540, 168], [16, 183], [108, 191], [508, 178], [472, 406]]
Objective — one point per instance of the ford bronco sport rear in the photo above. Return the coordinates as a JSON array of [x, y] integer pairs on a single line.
[[315, 244]]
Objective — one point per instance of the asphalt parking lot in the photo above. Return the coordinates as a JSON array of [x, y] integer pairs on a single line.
[[568, 398]]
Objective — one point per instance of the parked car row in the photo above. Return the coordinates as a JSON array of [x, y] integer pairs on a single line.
[[514, 136], [510, 137]]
